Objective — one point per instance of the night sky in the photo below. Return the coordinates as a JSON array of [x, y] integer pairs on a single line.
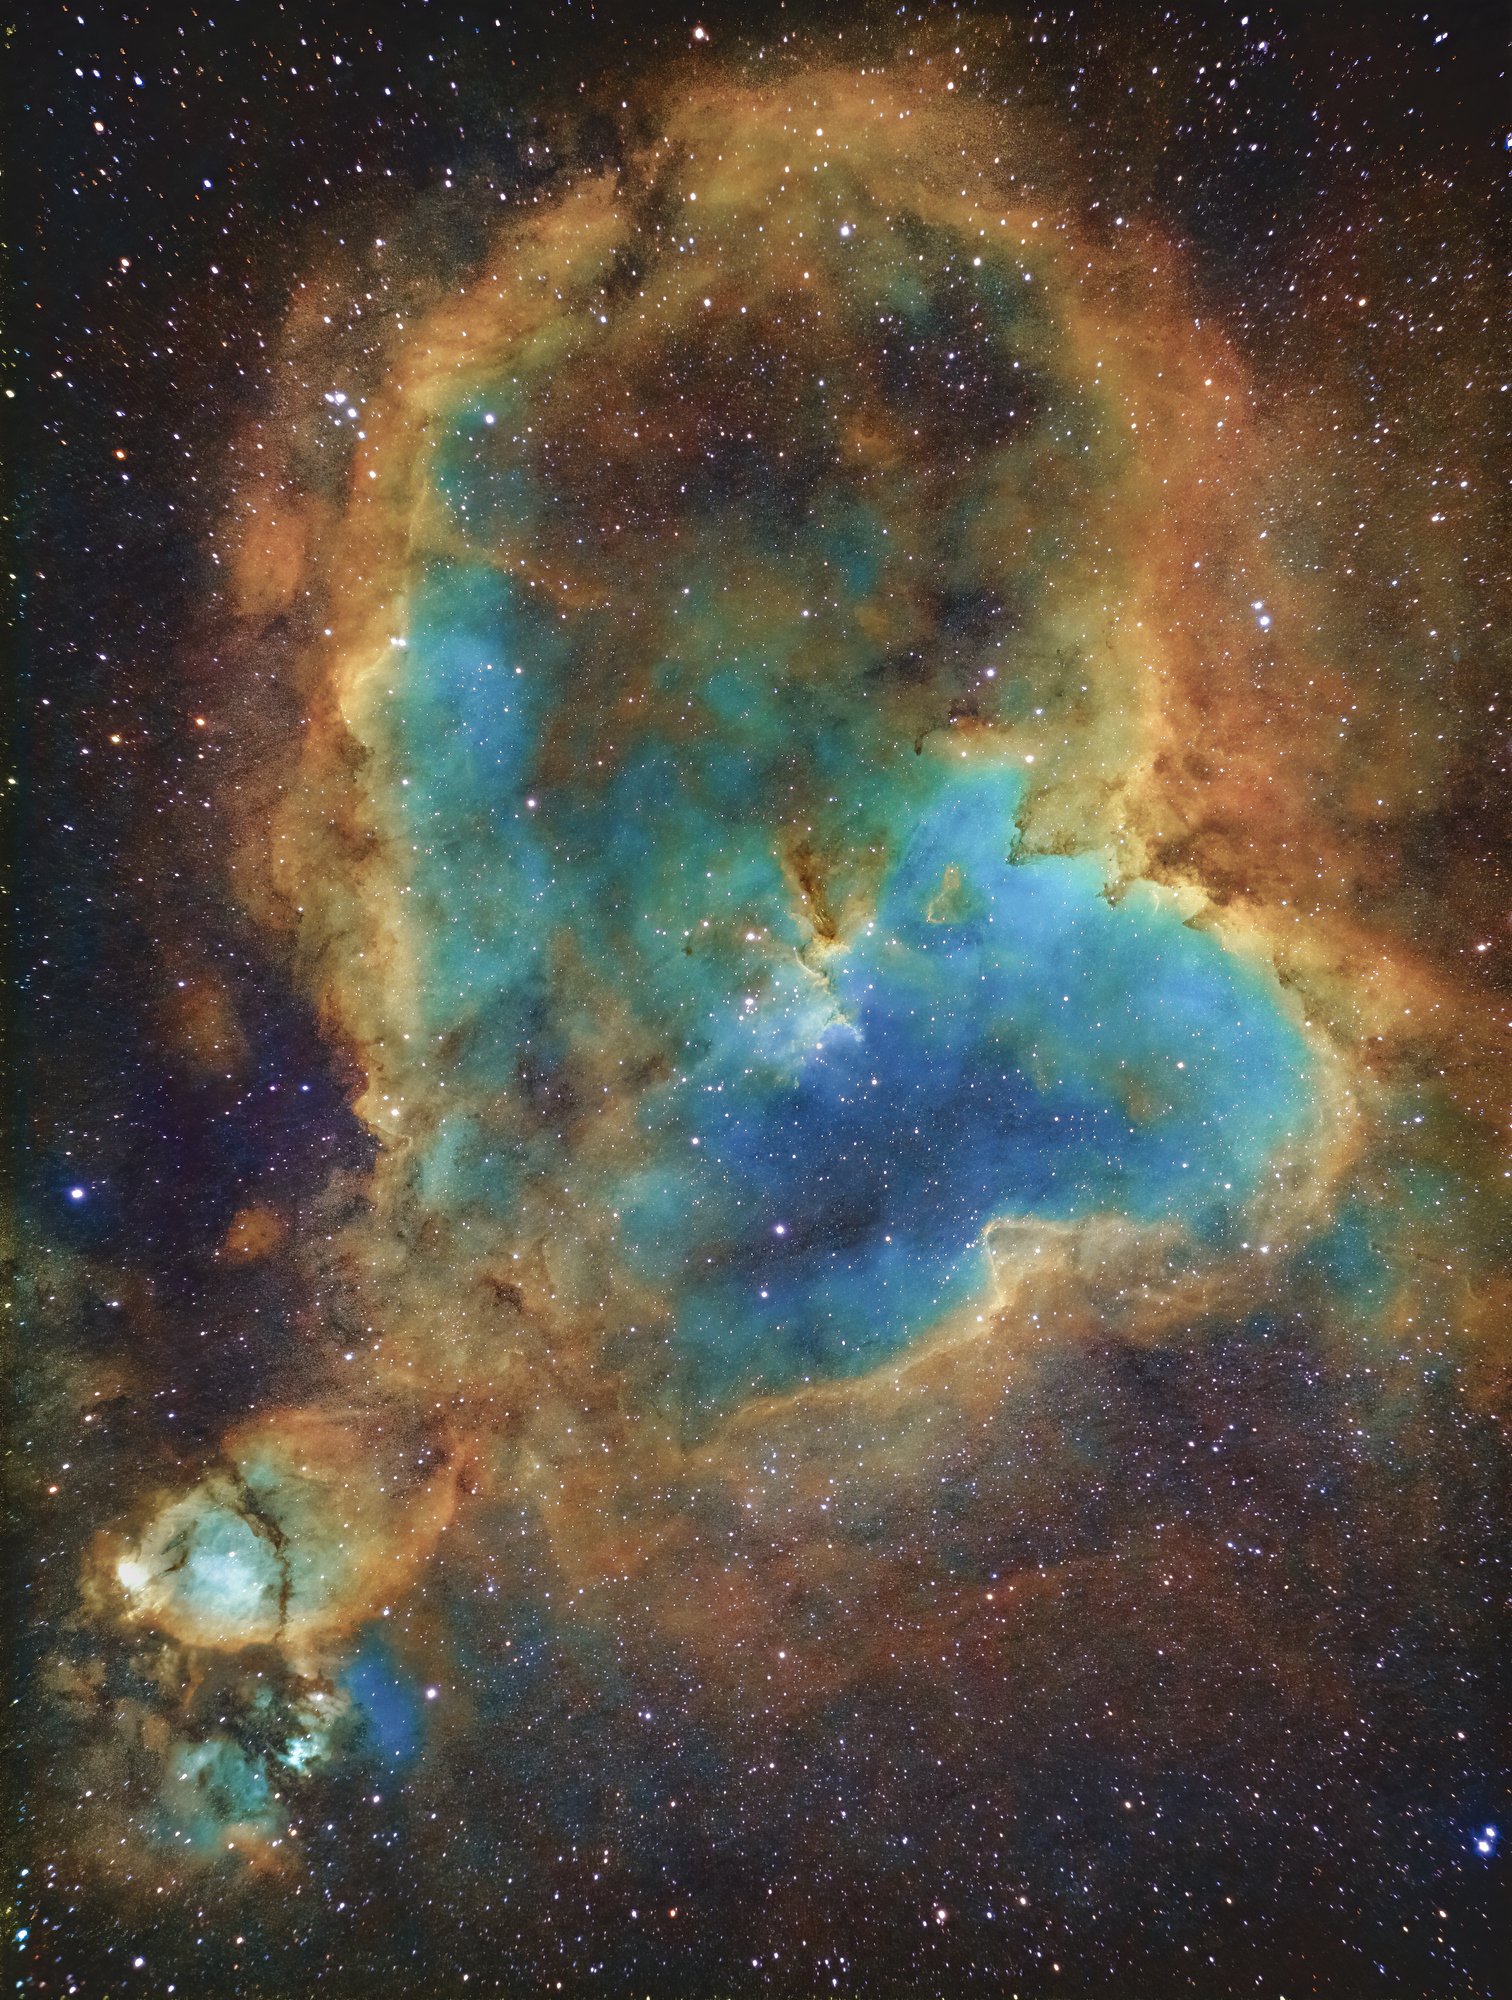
[[763, 1021]]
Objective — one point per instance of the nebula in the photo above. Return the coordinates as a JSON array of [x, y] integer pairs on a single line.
[[826, 832], [729, 842]]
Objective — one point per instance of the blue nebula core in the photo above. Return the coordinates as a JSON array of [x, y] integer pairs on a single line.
[[387, 1702], [1028, 1051], [844, 1096]]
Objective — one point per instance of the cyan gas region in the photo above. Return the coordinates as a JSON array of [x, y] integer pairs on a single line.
[[997, 1043], [834, 1108], [223, 1789]]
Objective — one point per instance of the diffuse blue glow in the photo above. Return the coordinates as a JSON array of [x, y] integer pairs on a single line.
[[1039, 1053], [947, 1036]]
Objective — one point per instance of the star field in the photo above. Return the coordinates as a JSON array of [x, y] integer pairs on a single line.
[[762, 1123]]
